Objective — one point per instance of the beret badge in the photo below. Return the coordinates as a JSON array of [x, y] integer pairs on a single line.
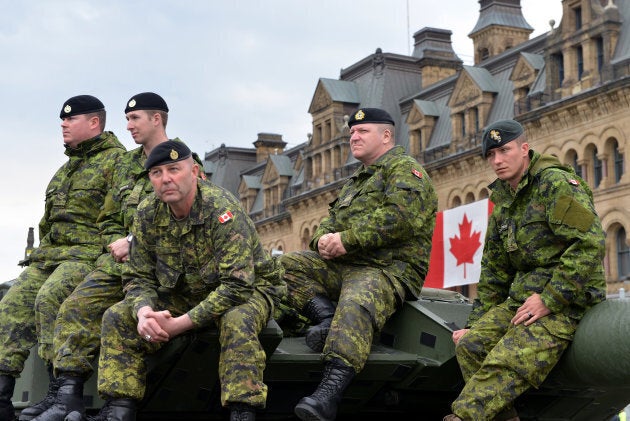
[[67, 109], [174, 155], [495, 135], [360, 115], [132, 103]]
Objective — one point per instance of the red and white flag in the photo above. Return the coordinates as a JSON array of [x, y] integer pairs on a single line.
[[458, 245]]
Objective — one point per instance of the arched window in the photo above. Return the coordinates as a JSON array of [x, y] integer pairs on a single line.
[[618, 163], [572, 160], [597, 169], [456, 202], [623, 255]]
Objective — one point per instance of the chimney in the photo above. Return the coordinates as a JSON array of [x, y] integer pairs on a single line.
[[268, 144]]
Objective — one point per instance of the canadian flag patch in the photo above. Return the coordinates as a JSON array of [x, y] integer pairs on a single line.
[[227, 216], [416, 173], [574, 182]]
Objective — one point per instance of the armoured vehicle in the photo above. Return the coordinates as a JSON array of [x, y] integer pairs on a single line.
[[412, 371]]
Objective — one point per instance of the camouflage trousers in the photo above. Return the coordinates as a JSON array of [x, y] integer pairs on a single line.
[[123, 363], [78, 327], [500, 361], [29, 309], [366, 298]]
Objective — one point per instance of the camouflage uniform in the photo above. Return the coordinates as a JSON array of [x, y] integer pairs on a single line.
[[385, 215], [543, 238], [211, 266], [69, 245], [78, 326]]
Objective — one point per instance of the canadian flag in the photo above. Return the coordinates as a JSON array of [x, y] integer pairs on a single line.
[[458, 245]]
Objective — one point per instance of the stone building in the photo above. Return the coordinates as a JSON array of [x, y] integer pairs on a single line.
[[570, 88]]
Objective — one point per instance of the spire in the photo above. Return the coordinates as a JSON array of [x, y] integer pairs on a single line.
[[501, 26]]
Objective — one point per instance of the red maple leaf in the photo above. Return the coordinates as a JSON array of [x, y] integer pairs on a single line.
[[465, 247]]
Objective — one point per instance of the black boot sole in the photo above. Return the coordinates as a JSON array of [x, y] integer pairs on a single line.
[[308, 413]]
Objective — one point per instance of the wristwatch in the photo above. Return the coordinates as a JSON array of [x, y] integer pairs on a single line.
[[129, 238]]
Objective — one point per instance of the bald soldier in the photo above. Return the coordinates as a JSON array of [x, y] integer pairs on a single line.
[[196, 261], [69, 244], [370, 254], [541, 270]]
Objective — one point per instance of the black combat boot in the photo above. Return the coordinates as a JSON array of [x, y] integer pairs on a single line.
[[116, 410], [7, 384], [321, 311], [48, 401], [322, 404], [69, 399], [242, 412]]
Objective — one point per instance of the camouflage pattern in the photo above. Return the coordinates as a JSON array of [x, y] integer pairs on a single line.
[[78, 327], [543, 238], [500, 360], [211, 266], [69, 245], [74, 199], [35, 288], [366, 297], [385, 215]]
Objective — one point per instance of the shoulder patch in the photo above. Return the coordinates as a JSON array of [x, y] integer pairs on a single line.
[[227, 216], [416, 173], [574, 182]]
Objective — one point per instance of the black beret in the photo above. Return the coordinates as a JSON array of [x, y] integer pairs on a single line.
[[167, 153], [499, 133], [81, 104], [370, 115], [146, 101]]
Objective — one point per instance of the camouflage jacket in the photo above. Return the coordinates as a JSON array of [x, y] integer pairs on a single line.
[[131, 185], [214, 257], [543, 238], [385, 215], [74, 199]]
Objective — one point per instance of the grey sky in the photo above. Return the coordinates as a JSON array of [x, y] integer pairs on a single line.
[[227, 69]]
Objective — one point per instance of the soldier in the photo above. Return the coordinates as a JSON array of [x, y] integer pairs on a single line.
[[370, 255], [541, 270], [218, 276], [69, 242], [78, 327]]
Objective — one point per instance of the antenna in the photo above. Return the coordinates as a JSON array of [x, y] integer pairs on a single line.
[[408, 33]]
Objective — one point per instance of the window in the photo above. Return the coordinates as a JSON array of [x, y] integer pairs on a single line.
[[600, 54], [484, 54], [475, 113], [618, 163], [462, 122], [597, 169], [577, 14], [579, 54], [623, 255], [558, 60], [574, 163]]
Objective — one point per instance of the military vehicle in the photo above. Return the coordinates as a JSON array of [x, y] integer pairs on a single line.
[[411, 373]]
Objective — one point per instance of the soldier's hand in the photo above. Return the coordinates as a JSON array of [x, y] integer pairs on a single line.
[[457, 335], [330, 246], [177, 325], [119, 249], [532, 309], [150, 324]]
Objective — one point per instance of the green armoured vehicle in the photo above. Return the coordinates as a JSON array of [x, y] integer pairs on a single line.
[[412, 371]]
